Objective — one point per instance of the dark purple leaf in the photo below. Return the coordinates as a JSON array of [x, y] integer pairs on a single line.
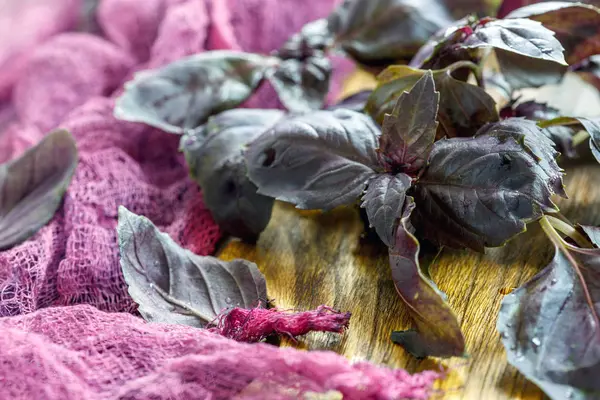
[[527, 54], [576, 25], [409, 131], [562, 136], [537, 143], [182, 95], [215, 157], [449, 34], [521, 36], [302, 84], [372, 31], [314, 37], [319, 160], [550, 327], [383, 202], [480, 192], [173, 285], [438, 333], [33, 185], [355, 102], [463, 108], [524, 72]]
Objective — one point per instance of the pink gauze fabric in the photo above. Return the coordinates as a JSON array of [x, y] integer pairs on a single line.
[[84, 353], [66, 318], [35, 21]]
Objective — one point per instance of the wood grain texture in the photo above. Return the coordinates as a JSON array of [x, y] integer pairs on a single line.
[[313, 258]]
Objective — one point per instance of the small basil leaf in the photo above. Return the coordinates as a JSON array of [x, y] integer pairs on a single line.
[[33, 185], [409, 131], [173, 285], [550, 326], [538, 144], [577, 26], [354, 102], [372, 31], [520, 35], [383, 202], [319, 160], [183, 94], [463, 108], [215, 159], [438, 333], [479, 192], [302, 84]]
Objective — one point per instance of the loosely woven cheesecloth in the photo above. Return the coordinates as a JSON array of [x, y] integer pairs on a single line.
[[68, 328]]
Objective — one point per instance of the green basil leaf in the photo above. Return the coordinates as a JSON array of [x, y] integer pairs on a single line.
[[438, 333], [175, 286], [182, 95], [33, 185], [319, 160]]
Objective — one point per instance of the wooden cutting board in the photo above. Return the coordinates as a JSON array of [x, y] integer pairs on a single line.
[[313, 258]]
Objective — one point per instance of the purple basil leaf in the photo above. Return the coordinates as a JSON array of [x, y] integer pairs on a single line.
[[424, 57], [409, 131], [302, 84], [577, 26], [438, 333], [354, 102], [314, 37], [550, 327], [536, 142], [319, 160], [372, 31], [215, 157], [562, 136], [383, 202], [524, 72], [480, 192], [521, 36], [182, 95], [173, 285], [33, 185], [463, 108]]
